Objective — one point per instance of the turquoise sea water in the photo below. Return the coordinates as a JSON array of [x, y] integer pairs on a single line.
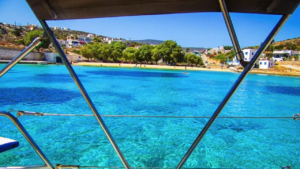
[[151, 142]]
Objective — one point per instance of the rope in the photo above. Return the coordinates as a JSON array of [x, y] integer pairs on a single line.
[[150, 116], [123, 167]]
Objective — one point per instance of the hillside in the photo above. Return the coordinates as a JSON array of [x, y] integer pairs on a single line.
[[149, 41], [292, 44], [20, 31], [288, 44], [12, 36]]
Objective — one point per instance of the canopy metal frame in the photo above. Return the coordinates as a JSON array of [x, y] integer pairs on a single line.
[[36, 42], [248, 66], [83, 91]]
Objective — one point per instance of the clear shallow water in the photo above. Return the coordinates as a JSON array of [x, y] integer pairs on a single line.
[[151, 142]]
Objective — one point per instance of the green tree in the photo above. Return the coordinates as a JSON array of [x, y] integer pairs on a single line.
[[128, 54], [30, 36], [156, 54], [273, 41], [20, 41], [178, 54], [105, 51], [228, 47], [95, 51], [86, 51], [16, 32], [194, 59], [230, 55], [117, 48], [145, 53], [96, 39], [293, 47], [270, 48], [279, 47], [187, 50], [221, 57], [91, 51], [138, 56], [171, 52]]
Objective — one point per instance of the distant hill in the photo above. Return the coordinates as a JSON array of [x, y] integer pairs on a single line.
[[149, 41]]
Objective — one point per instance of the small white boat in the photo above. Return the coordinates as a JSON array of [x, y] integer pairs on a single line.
[[233, 69], [7, 144]]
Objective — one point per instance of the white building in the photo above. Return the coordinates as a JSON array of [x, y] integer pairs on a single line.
[[55, 58], [61, 42], [215, 50], [71, 37], [279, 55], [65, 28], [108, 40], [91, 36], [266, 64], [248, 54], [120, 40], [84, 39], [70, 43], [57, 28]]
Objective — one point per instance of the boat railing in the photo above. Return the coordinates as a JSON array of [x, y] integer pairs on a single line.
[[28, 137], [17, 123]]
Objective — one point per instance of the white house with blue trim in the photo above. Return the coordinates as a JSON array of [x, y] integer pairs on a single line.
[[266, 64], [248, 54]]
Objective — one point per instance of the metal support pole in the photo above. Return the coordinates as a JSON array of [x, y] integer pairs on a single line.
[[36, 42], [262, 48], [28, 137], [232, 33], [83, 92]]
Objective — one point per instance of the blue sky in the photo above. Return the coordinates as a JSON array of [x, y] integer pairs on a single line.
[[188, 30]]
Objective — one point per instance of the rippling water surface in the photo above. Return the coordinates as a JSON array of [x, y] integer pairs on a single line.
[[151, 142]]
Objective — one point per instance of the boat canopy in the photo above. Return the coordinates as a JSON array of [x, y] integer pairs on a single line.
[[81, 9]]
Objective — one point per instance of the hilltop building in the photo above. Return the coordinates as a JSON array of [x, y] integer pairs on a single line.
[[84, 39], [266, 64], [279, 55], [57, 28], [91, 36], [72, 42], [61, 42], [248, 54], [61, 28], [108, 40], [216, 50]]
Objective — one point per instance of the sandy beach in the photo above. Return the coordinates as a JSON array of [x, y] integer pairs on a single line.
[[282, 71], [145, 66]]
